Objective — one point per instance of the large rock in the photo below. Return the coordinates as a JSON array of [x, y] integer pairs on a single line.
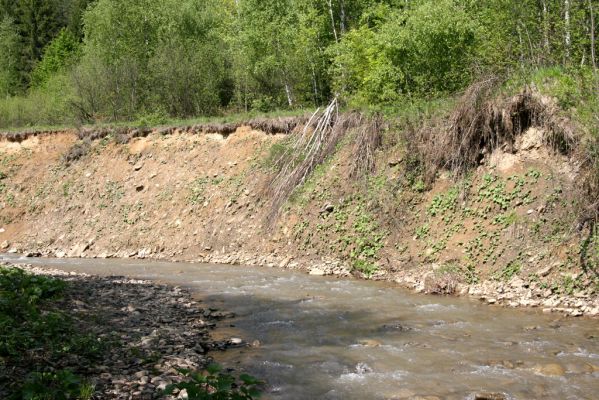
[[317, 272], [79, 250], [489, 396], [550, 370]]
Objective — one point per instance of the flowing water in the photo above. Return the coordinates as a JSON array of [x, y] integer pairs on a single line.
[[327, 338]]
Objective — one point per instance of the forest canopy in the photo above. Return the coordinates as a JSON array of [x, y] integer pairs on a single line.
[[82, 61]]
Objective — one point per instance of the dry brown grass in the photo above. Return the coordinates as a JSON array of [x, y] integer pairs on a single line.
[[271, 126], [482, 122], [443, 284], [282, 125], [77, 151], [369, 139]]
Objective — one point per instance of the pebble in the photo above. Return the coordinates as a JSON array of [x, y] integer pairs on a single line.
[[370, 343]]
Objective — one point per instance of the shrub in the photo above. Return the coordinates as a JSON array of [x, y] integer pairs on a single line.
[[60, 385], [216, 385], [46, 106], [58, 55], [420, 51]]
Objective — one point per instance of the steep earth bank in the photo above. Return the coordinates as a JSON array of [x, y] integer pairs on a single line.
[[506, 232]]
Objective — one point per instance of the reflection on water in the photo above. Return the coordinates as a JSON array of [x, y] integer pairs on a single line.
[[326, 338]]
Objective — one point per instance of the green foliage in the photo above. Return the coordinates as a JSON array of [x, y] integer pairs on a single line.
[[58, 55], [509, 271], [570, 284], [444, 203], [33, 332], [50, 105], [417, 51], [23, 325], [197, 189], [575, 89], [21, 293], [38, 22], [9, 55], [68, 61], [60, 385], [422, 231], [368, 240], [216, 385], [145, 57]]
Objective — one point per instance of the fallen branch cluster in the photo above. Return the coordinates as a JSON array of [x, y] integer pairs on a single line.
[[308, 148]]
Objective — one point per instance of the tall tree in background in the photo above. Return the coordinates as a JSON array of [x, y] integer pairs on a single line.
[[190, 57], [38, 22], [144, 56], [267, 37], [9, 58]]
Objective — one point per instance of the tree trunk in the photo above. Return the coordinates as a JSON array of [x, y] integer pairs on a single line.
[[288, 92], [333, 20], [592, 30], [567, 33], [342, 4], [521, 47], [545, 27]]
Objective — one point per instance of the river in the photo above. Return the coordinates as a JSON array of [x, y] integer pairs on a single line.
[[328, 338]]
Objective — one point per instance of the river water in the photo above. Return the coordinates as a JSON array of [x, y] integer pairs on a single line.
[[328, 338]]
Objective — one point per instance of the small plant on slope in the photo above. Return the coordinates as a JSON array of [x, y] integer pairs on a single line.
[[216, 385]]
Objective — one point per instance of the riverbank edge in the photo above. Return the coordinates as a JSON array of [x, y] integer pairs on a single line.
[[161, 322], [515, 293]]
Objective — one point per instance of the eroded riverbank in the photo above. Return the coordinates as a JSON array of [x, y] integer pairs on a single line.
[[328, 338], [509, 234]]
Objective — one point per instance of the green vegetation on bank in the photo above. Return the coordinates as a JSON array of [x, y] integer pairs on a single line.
[[35, 333], [71, 62]]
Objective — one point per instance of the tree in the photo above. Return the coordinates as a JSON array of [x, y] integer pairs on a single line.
[[61, 53], [423, 50], [143, 56], [267, 31], [38, 23], [9, 58]]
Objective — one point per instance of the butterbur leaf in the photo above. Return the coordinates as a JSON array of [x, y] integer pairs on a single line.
[[213, 369], [249, 380], [224, 382], [169, 389], [198, 377], [254, 393]]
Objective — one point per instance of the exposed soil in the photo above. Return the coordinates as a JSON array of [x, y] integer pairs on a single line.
[[505, 233]]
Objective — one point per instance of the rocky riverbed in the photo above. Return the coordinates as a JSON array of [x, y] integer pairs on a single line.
[[150, 329]]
